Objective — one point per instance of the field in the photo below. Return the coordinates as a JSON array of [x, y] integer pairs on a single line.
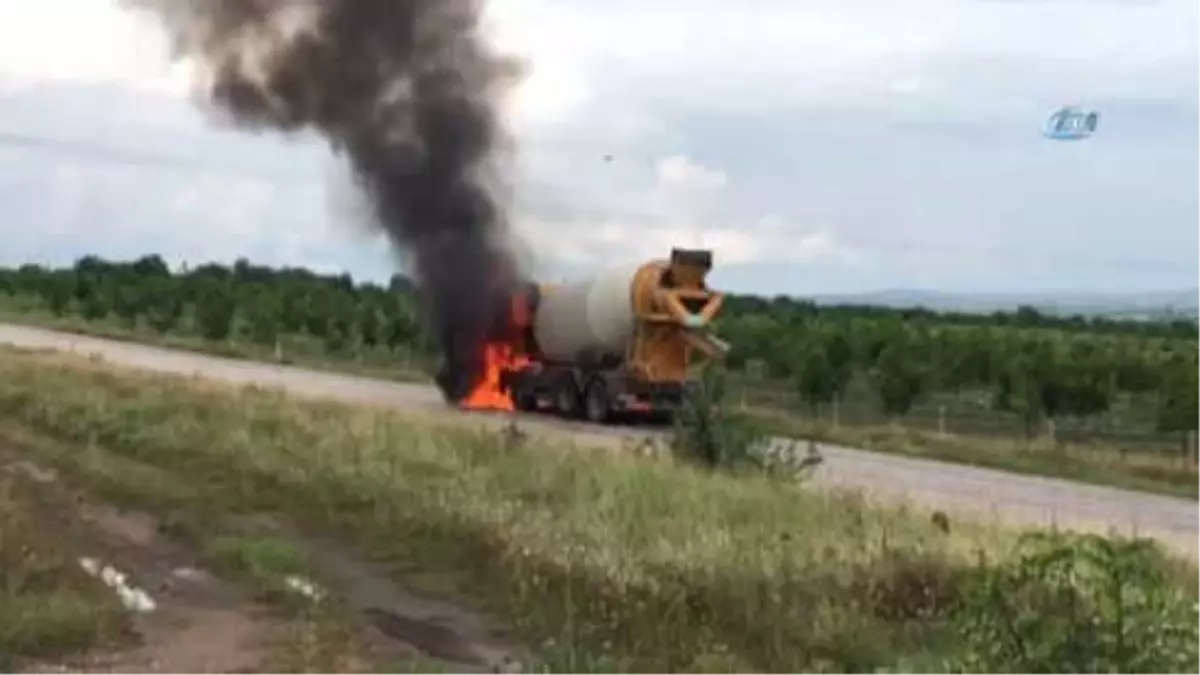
[[538, 554], [1101, 401]]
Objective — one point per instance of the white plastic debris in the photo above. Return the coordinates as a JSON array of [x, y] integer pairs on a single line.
[[90, 566], [304, 587], [134, 599], [188, 574]]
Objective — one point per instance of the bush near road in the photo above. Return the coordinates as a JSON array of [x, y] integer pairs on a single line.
[[607, 561], [1118, 395]]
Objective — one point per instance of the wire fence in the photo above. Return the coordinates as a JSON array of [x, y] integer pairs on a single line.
[[1128, 427]]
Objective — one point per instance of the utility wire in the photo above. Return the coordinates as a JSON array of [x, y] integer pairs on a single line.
[[130, 157]]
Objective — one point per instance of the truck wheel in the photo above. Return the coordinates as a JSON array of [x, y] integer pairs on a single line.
[[566, 398], [595, 402], [525, 401], [664, 418]]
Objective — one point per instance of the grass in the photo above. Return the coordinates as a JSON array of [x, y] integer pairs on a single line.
[[598, 560], [292, 349], [264, 563], [660, 565], [48, 605], [1096, 463]]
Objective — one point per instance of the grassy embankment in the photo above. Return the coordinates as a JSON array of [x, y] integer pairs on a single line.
[[294, 350], [598, 560], [1097, 463], [1094, 463]]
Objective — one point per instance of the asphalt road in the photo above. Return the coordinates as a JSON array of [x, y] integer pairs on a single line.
[[963, 491]]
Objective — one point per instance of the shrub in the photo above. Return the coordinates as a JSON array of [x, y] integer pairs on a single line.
[[1077, 603], [709, 434]]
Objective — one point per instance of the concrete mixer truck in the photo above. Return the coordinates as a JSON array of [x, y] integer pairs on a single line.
[[620, 345]]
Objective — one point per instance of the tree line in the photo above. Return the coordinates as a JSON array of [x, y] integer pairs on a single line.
[[1035, 365]]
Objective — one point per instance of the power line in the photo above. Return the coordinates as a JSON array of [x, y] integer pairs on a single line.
[[130, 157]]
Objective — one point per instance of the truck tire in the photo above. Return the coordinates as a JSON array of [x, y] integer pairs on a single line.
[[566, 398], [524, 401], [595, 402], [520, 390], [662, 418]]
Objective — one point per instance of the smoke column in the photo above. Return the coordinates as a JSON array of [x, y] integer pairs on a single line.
[[406, 91]]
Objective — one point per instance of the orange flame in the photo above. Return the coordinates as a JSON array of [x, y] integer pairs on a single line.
[[498, 358]]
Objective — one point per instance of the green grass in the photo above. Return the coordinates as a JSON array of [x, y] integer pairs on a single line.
[[598, 560], [264, 563], [1097, 463], [655, 565], [48, 606], [295, 350], [588, 554]]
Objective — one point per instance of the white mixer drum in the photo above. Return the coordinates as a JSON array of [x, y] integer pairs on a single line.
[[588, 319]]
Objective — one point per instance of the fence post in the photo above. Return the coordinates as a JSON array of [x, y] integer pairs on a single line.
[[941, 420], [836, 410], [278, 350], [1050, 431], [1192, 456]]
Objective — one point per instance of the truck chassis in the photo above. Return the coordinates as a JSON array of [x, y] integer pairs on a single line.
[[596, 395]]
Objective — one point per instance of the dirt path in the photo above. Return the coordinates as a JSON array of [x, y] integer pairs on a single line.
[[197, 622], [193, 620], [432, 626], [972, 491]]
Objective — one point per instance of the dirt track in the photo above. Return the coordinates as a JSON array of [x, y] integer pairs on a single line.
[[961, 490]]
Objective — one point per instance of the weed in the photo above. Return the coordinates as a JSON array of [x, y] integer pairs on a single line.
[[710, 434], [260, 558], [555, 658], [1078, 603], [48, 607], [273, 567]]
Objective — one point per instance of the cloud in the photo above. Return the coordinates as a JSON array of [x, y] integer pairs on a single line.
[[680, 173], [685, 196], [89, 42], [816, 146]]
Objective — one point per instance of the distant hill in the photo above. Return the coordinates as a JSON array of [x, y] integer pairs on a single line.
[[1132, 304]]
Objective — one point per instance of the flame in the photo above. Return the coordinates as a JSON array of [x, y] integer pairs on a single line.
[[498, 357]]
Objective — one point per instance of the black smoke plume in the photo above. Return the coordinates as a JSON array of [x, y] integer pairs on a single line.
[[406, 91]]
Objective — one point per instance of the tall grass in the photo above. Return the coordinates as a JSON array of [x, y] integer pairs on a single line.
[[600, 561]]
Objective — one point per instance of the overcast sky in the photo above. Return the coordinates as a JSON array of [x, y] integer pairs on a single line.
[[815, 145]]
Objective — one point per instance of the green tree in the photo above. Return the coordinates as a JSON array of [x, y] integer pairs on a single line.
[[166, 305], [400, 329], [823, 366], [1179, 402], [58, 295], [901, 374], [1019, 384], [215, 310], [369, 324], [129, 300], [263, 309]]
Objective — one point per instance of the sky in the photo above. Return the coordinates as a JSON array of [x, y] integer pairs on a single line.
[[816, 146]]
